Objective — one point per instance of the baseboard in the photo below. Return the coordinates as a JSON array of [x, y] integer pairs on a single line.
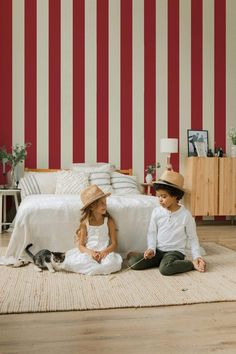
[[230, 221]]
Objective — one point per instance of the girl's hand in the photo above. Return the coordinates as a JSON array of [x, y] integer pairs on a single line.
[[148, 254], [103, 254], [95, 255], [199, 264]]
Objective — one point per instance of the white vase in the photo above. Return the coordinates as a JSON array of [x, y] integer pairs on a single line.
[[11, 178], [148, 178], [233, 151]]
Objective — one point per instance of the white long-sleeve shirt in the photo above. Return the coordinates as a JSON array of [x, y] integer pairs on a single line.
[[171, 231]]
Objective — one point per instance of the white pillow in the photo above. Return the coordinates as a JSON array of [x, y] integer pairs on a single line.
[[124, 184], [87, 168], [70, 182], [38, 183], [29, 185], [102, 180]]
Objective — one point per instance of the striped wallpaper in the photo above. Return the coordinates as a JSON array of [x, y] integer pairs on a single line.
[[104, 80]]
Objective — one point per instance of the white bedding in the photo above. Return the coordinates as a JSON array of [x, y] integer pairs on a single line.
[[50, 221]]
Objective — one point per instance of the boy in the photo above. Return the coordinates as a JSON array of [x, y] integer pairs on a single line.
[[171, 226]]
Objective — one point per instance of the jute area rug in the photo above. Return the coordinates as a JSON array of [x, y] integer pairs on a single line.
[[25, 290]]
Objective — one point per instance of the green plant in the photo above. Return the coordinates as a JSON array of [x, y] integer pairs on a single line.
[[232, 135], [18, 154], [151, 168]]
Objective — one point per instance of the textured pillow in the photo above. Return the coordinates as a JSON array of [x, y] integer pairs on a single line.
[[70, 182], [123, 184], [38, 183], [88, 168], [29, 185], [102, 180]]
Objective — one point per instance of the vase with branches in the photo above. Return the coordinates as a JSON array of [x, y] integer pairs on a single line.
[[18, 155], [150, 170]]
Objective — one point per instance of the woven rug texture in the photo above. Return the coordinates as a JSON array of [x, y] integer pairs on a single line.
[[25, 290]]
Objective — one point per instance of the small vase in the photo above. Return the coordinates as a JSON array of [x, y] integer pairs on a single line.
[[11, 178], [148, 178], [233, 151]]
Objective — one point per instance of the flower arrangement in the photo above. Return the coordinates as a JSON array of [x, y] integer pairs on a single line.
[[151, 168], [18, 154], [232, 135]]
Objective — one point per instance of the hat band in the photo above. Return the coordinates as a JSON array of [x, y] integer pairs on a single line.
[[167, 182]]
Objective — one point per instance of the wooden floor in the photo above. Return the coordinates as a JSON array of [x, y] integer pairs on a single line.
[[188, 329]]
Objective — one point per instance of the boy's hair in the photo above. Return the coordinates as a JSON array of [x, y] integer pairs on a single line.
[[172, 191]]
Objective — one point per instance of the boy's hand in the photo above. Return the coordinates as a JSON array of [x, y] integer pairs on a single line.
[[199, 264], [148, 254]]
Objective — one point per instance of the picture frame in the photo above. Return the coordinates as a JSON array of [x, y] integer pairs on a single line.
[[194, 138]]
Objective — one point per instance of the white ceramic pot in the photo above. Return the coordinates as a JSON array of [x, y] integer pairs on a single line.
[[148, 178]]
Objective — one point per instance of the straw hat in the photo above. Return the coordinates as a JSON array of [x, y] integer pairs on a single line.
[[90, 194], [171, 179]]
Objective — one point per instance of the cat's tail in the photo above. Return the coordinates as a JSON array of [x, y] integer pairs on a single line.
[[27, 250]]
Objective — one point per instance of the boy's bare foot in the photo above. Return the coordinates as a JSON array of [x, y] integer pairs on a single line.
[[199, 264]]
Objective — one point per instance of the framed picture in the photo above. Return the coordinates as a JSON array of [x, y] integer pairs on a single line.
[[195, 137]]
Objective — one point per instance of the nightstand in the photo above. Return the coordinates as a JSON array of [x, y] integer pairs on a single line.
[[3, 197], [147, 188]]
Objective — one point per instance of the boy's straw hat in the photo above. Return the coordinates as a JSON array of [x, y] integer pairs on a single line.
[[90, 194], [172, 179]]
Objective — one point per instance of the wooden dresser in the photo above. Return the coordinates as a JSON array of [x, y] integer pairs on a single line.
[[210, 184]]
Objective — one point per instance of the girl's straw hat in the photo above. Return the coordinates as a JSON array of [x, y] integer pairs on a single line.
[[172, 179], [90, 194]]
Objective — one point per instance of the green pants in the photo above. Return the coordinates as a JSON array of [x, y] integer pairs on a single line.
[[169, 263]]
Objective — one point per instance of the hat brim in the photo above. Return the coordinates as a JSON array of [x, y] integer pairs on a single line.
[[102, 195], [167, 184]]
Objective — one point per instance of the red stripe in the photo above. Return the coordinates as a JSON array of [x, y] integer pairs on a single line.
[[126, 85], [196, 64], [78, 81], [220, 73], [149, 82], [5, 75], [31, 81], [54, 84], [102, 80], [173, 75]]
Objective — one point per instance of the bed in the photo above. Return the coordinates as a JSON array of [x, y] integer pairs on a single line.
[[50, 220]]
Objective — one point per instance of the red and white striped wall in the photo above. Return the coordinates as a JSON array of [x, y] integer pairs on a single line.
[[104, 80]]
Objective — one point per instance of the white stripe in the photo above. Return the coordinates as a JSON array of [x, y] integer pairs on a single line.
[[138, 89], [18, 72], [90, 82], [208, 70], [42, 83], [230, 68], [18, 106], [66, 82], [185, 79], [161, 79], [114, 82]]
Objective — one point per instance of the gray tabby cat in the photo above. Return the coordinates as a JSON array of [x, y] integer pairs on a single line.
[[46, 259]]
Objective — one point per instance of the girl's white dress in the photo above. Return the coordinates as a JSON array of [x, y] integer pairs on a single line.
[[97, 240]]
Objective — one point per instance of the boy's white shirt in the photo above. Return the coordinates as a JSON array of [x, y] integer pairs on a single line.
[[172, 231]]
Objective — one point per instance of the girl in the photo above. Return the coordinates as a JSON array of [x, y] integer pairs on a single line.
[[96, 237]]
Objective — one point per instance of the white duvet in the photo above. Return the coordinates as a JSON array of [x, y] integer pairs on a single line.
[[50, 221]]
